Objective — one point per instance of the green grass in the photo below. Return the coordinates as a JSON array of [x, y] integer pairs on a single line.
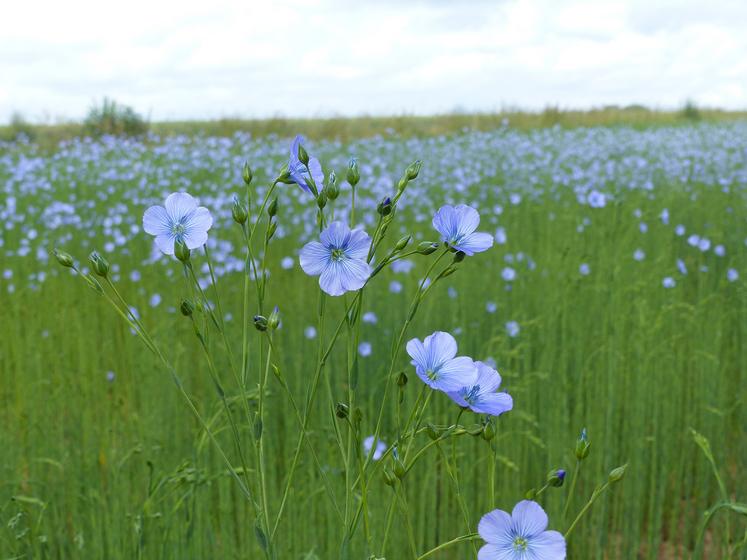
[[99, 469]]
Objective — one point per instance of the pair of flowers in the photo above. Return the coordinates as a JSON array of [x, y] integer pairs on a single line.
[[340, 257]]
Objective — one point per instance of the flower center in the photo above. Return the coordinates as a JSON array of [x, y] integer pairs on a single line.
[[471, 397], [337, 254], [432, 375], [178, 229], [520, 543]]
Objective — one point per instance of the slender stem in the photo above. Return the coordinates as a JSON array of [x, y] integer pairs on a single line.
[[572, 488], [452, 542], [594, 495]]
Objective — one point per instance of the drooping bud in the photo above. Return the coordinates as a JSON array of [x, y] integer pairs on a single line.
[[402, 243], [273, 321], [488, 432], [427, 247], [616, 475], [582, 446], [260, 323], [556, 477], [181, 251], [342, 410], [99, 264], [246, 173], [458, 257], [239, 212], [187, 308], [303, 156], [272, 209], [385, 206], [65, 259], [399, 468], [354, 174], [447, 272]]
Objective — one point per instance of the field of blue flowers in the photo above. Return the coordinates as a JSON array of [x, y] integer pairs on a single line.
[[494, 345]]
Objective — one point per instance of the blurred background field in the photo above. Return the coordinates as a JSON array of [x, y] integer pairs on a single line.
[[614, 299]]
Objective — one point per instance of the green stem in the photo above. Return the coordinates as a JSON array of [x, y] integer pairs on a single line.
[[452, 542]]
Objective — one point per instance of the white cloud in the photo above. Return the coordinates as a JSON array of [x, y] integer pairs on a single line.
[[196, 59]]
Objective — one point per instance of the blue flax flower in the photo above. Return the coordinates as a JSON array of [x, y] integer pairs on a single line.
[[481, 397], [180, 219], [519, 536], [339, 260], [435, 362], [298, 171], [457, 225]]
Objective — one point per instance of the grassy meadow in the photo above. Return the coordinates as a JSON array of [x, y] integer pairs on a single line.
[[613, 299]]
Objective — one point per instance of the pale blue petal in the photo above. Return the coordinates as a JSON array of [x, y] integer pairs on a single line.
[[418, 353], [549, 545], [529, 519], [336, 235], [314, 258], [444, 221], [475, 243], [487, 378], [165, 243], [199, 220], [358, 244], [455, 374], [494, 404], [467, 219], [156, 221], [331, 279], [441, 347], [354, 273], [496, 552], [457, 397], [179, 204], [316, 173], [495, 527], [194, 238]]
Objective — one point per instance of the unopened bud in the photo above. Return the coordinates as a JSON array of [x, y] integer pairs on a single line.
[[531, 494], [187, 308], [332, 190], [402, 243], [448, 272], [99, 264], [273, 321], [616, 475], [354, 174], [458, 257], [389, 478], [239, 212], [342, 410], [427, 247], [303, 156], [556, 478], [402, 379], [488, 432], [284, 176], [273, 227], [321, 200], [65, 259], [260, 323], [399, 468], [181, 251], [582, 446], [385, 207], [246, 173], [272, 209], [413, 169]]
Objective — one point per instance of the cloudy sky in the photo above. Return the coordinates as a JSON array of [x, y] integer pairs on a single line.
[[208, 59]]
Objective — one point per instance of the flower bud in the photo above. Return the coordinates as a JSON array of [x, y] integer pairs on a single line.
[[402, 379], [556, 478], [616, 475], [448, 272], [399, 468], [284, 176], [488, 432], [385, 207], [354, 174], [531, 494], [458, 257], [260, 323], [413, 169], [181, 251], [427, 247], [186, 307], [273, 321], [272, 209], [65, 259], [582, 446], [99, 264], [389, 479], [342, 410], [239, 212], [332, 190], [271, 230], [303, 156], [321, 200], [246, 173], [402, 243]]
